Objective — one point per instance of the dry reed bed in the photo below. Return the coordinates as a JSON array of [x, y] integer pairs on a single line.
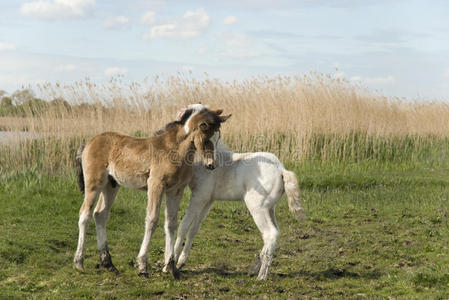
[[296, 117]]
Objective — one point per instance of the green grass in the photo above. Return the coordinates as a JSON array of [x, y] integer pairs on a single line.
[[55, 155], [371, 232]]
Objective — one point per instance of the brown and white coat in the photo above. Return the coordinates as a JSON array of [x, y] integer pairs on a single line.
[[159, 164]]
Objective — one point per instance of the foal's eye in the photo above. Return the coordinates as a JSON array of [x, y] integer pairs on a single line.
[[204, 126]]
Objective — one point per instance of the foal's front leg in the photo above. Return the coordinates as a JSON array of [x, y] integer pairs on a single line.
[[196, 213], [155, 191], [172, 201]]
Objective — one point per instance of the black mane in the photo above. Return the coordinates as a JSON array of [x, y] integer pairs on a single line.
[[170, 125]]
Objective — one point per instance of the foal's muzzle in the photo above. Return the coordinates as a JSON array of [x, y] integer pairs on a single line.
[[210, 166]]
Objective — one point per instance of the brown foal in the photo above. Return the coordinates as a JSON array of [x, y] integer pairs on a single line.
[[159, 164]]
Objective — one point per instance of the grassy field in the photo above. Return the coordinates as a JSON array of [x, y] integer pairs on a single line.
[[373, 172], [372, 231]]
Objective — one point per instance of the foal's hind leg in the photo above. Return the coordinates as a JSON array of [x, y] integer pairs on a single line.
[[255, 268], [95, 179], [270, 238], [85, 215], [266, 222], [101, 215]]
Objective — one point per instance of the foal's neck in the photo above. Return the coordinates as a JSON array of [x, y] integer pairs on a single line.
[[179, 142]]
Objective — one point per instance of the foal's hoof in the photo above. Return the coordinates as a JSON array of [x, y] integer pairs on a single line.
[[144, 274], [179, 266], [109, 267], [171, 267], [106, 261], [301, 215], [255, 267], [79, 265], [176, 274], [114, 270]]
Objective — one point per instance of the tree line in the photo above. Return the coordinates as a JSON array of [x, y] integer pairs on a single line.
[[24, 103]]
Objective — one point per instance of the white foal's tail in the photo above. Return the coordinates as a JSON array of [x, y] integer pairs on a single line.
[[291, 187]]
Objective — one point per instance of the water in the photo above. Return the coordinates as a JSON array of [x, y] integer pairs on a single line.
[[8, 137]]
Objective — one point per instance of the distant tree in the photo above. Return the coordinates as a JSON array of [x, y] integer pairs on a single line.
[[3, 93], [21, 96], [6, 107], [35, 106], [6, 101], [60, 102], [59, 107]]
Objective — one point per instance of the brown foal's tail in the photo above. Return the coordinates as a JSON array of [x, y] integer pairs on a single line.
[[291, 187], [79, 167]]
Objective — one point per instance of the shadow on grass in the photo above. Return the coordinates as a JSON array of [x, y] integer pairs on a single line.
[[214, 270], [331, 273]]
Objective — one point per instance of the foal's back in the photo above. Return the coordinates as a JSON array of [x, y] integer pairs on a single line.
[[237, 174]]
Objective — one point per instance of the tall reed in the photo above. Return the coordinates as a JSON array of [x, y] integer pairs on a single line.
[[298, 118]]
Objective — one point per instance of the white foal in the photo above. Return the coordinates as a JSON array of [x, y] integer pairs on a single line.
[[259, 179]]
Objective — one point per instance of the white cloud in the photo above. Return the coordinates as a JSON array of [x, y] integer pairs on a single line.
[[57, 9], [115, 71], [235, 40], [148, 18], [229, 20], [238, 53], [117, 22], [190, 25], [202, 50], [238, 45], [7, 46], [67, 68]]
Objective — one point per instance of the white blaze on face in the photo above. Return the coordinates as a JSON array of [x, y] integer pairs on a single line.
[[214, 139]]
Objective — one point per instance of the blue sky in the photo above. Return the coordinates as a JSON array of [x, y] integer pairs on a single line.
[[399, 48]]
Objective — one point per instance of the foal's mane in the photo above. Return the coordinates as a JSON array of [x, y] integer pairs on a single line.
[[186, 115], [171, 125]]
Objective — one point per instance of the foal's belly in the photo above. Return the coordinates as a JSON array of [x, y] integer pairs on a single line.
[[129, 179], [228, 189]]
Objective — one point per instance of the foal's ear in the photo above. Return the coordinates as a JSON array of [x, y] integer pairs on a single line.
[[180, 114], [224, 118], [183, 114], [217, 111]]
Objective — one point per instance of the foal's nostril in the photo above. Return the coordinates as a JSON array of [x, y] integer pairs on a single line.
[[210, 166]]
